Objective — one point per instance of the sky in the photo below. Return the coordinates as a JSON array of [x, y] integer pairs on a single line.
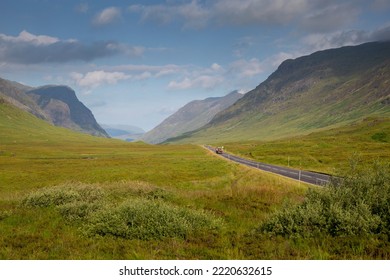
[[137, 62]]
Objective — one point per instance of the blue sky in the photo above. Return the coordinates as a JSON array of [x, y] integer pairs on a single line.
[[136, 62]]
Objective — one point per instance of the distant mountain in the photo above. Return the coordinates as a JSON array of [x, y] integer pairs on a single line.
[[190, 117], [322, 90], [57, 105], [123, 132]]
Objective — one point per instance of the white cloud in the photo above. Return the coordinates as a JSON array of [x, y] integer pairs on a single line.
[[96, 78], [330, 18], [246, 68], [126, 49], [197, 14], [380, 34], [205, 82], [243, 91], [152, 70], [216, 67], [26, 37], [186, 83], [278, 58], [166, 71], [107, 16], [244, 12], [315, 42], [199, 77], [27, 48], [143, 76], [310, 15], [193, 13]]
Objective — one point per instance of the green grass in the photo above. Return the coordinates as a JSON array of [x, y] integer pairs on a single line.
[[140, 218], [326, 151], [59, 188], [65, 195]]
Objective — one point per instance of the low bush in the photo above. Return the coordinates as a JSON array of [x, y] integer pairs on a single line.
[[78, 210], [145, 219], [62, 195], [356, 205]]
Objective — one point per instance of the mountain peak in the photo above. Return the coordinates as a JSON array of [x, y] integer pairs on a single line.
[[64, 109]]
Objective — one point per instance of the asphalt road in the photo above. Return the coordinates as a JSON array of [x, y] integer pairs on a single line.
[[300, 175]]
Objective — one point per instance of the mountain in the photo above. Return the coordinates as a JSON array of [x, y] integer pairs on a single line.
[[322, 90], [123, 132], [57, 105], [190, 117], [21, 128], [64, 109], [15, 94]]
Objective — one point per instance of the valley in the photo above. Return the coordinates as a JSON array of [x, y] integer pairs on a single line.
[[67, 194], [328, 151], [38, 158], [62, 195]]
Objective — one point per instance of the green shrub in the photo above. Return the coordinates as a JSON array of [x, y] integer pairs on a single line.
[[357, 204], [74, 201], [144, 219], [51, 197], [78, 210], [62, 195]]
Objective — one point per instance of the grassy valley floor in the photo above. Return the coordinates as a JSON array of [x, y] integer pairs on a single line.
[[328, 151], [65, 195]]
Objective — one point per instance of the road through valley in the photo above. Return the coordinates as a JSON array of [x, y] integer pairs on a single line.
[[300, 175]]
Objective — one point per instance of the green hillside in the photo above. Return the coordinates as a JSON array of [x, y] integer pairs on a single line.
[[57, 105], [329, 151], [326, 89], [19, 126]]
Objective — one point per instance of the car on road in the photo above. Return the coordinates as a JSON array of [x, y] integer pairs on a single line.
[[219, 150]]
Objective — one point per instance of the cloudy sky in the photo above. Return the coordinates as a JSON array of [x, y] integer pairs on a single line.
[[136, 62]]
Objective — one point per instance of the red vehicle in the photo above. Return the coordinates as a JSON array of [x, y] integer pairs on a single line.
[[219, 150]]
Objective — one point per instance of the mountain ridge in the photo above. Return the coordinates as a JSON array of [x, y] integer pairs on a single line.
[[323, 89], [56, 104], [191, 116]]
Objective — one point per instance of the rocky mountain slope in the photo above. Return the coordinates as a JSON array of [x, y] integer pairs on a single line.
[[322, 90], [15, 94], [57, 105], [190, 117], [64, 109]]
